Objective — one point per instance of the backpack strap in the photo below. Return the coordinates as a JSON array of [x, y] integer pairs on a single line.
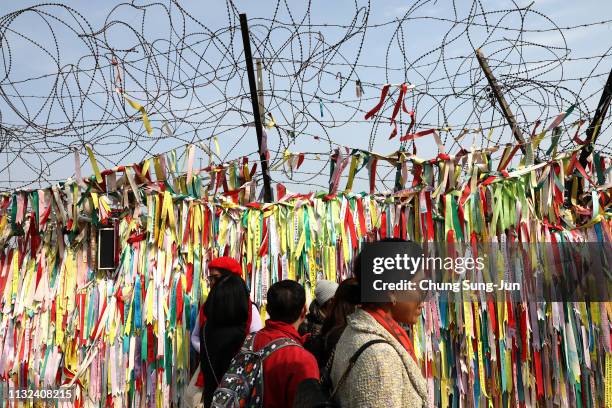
[[277, 344], [248, 342], [352, 362]]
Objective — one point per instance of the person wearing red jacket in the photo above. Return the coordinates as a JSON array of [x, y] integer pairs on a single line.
[[284, 369]]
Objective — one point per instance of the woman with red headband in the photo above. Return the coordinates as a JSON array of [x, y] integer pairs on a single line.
[[227, 316]]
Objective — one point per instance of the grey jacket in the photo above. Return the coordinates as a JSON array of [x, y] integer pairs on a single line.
[[385, 375]]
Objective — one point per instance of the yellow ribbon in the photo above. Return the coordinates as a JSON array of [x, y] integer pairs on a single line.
[[141, 109], [608, 379], [145, 167], [94, 164], [217, 145]]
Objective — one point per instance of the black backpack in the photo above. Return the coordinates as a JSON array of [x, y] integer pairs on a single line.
[[320, 394], [242, 384]]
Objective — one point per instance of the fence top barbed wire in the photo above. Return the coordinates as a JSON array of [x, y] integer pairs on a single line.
[[61, 69]]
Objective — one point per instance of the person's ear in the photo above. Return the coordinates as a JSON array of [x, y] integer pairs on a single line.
[[304, 311]]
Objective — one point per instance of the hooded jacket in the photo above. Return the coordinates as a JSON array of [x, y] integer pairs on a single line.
[[385, 375]]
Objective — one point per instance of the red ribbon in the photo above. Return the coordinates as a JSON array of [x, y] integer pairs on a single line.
[[492, 315], [394, 132], [412, 122], [418, 170], [81, 306], [383, 225], [464, 195], [440, 156], [187, 227], [280, 191], [380, 103], [362, 221], [373, 163], [263, 249], [399, 103], [412, 136], [581, 170], [504, 164], [523, 325], [300, 160], [189, 276], [136, 238], [351, 227], [403, 221], [576, 138], [489, 180], [430, 227], [93, 334], [538, 369], [205, 233], [179, 300]]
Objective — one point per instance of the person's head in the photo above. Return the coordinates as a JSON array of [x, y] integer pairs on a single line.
[[286, 302], [227, 303], [343, 304], [324, 293], [219, 267], [403, 309]]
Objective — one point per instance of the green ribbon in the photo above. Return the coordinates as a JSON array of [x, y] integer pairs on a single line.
[[34, 199], [554, 139], [173, 304], [169, 187], [168, 359], [330, 221], [144, 347], [475, 205], [598, 169], [89, 314], [14, 213], [307, 229], [456, 223]]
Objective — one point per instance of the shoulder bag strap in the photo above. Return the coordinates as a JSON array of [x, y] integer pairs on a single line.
[[212, 369], [330, 361], [352, 362]]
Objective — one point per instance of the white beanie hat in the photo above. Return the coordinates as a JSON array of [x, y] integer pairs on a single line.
[[324, 291]]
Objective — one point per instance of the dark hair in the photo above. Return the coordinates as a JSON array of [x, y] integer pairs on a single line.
[[227, 303], [286, 300], [223, 271], [357, 259], [357, 265], [343, 304]]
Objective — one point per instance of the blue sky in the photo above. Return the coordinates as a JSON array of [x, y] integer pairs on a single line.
[[380, 61]]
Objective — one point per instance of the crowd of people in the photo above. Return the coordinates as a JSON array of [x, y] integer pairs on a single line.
[[336, 352]]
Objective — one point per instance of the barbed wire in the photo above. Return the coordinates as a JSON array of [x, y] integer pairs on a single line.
[[65, 75]]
